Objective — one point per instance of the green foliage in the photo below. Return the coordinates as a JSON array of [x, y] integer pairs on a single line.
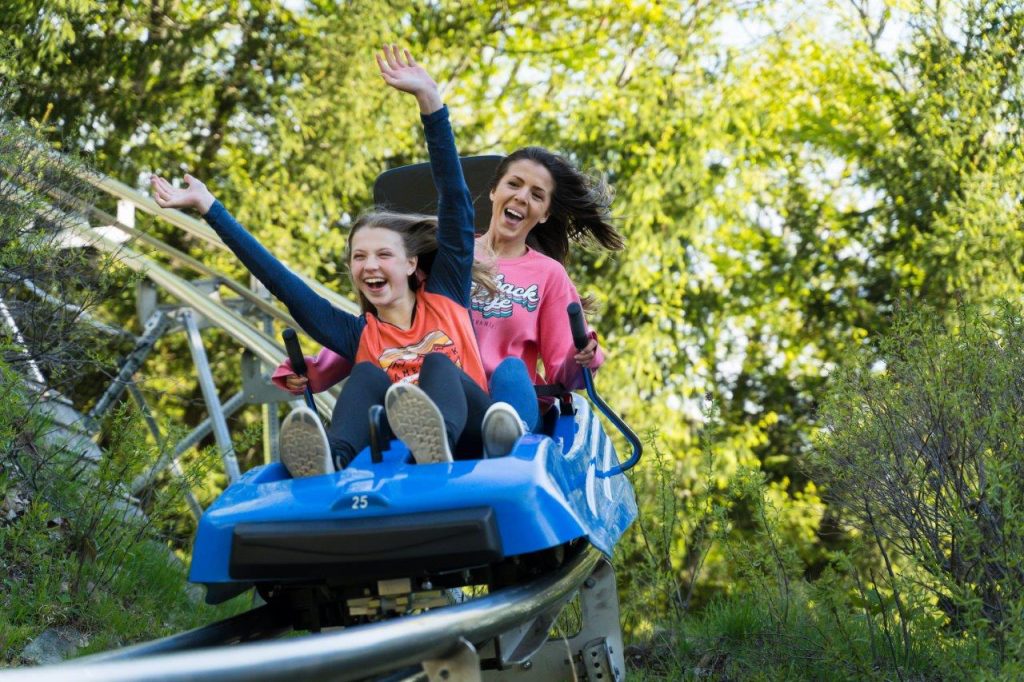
[[775, 624], [922, 456], [75, 548]]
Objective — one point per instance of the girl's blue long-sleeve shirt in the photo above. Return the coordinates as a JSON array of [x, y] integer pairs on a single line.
[[451, 271]]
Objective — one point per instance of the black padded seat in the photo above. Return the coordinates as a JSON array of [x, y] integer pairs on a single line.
[[410, 189]]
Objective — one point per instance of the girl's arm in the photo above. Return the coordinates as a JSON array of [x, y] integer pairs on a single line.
[[322, 372], [330, 326], [451, 272]]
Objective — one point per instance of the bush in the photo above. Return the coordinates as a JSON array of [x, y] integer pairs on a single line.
[[923, 455]]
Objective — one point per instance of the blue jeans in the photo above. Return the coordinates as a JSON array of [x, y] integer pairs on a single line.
[[511, 383], [461, 401]]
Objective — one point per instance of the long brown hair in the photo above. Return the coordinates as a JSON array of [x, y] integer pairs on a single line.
[[419, 237], [580, 210], [580, 206]]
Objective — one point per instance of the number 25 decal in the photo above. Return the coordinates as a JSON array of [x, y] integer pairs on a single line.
[[360, 502]]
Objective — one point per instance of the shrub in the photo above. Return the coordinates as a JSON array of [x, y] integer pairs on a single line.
[[923, 454], [75, 548]]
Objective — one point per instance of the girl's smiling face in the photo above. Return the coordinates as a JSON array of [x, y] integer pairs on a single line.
[[521, 200], [380, 266]]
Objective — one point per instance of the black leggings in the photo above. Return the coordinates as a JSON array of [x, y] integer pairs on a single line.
[[462, 403]]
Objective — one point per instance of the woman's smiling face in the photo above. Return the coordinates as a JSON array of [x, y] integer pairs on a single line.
[[380, 266], [521, 200]]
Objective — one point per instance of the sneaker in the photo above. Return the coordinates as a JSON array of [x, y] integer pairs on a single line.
[[416, 420], [502, 428], [304, 447]]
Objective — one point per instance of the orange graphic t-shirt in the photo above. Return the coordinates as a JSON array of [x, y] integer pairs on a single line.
[[440, 325]]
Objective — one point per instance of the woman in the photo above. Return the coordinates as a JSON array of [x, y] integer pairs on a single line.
[[539, 203]]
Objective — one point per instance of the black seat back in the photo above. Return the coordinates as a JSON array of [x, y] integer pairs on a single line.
[[410, 189]]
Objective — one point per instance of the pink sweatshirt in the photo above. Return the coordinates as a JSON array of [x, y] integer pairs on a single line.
[[527, 319]]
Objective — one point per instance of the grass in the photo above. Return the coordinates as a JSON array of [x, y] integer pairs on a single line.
[[741, 637], [47, 584]]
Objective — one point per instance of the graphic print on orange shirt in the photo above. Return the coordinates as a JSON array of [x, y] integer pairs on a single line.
[[403, 364]]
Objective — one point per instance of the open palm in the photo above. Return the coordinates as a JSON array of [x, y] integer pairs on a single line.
[[193, 195], [401, 71]]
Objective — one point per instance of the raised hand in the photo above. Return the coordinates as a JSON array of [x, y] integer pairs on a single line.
[[401, 72], [193, 195]]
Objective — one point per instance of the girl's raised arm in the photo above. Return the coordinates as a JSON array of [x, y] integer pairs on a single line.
[[194, 195], [451, 272], [331, 327]]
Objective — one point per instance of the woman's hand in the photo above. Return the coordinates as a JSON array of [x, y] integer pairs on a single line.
[[401, 72], [586, 356], [193, 195], [296, 383]]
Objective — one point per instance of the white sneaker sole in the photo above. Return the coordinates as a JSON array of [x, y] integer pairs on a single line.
[[304, 447], [418, 422], [501, 430]]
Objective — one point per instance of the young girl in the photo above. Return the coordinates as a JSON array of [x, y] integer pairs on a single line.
[[540, 203], [411, 332]]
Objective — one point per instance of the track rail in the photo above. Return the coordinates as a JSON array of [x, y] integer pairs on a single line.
[[350, 654]]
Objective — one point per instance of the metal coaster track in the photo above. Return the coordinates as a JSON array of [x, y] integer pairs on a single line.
[[506, 632], [197, 309]]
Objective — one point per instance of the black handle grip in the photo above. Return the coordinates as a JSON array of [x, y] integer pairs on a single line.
[[291, 344], [578, 326]]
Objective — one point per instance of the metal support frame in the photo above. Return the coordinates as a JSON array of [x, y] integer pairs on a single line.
[[213, 406], [198, 295], [257, 386], [33, 368], [204, 429], [271, 421], [154, 428], [155, 327], [271, 433], [593, 653], [518, 646], [462, 665], [147, 300]]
